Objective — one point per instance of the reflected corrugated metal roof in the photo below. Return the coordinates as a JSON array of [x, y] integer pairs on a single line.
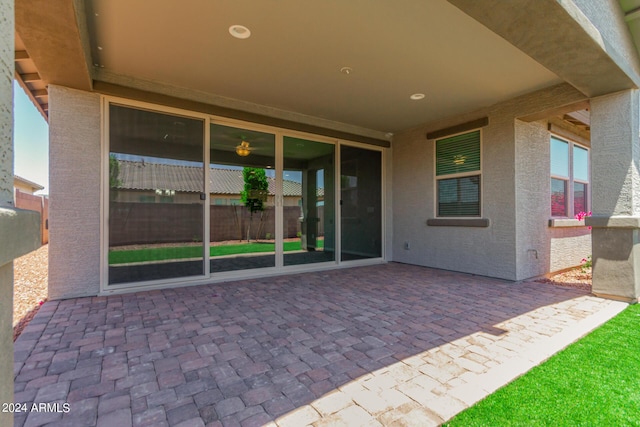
[[158, 176]]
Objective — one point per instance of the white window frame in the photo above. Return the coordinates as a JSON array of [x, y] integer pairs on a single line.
[[570, 180], [457, 175]]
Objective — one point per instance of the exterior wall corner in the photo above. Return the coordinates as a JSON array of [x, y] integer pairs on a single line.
[[616, 195], [74, 217], [541, 249], [6, 200]]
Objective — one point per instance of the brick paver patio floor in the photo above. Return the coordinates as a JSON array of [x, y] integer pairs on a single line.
[[389, 344]]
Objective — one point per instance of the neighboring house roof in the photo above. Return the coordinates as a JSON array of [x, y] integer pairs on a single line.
[[152, 176], [17, 181]]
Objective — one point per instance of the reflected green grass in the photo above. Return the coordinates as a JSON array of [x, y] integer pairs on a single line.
[[125, 256]]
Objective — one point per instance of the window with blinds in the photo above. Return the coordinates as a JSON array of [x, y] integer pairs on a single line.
[[458, 175]]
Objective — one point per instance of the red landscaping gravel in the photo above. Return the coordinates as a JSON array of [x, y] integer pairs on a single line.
[[575, 278], [30, 279]]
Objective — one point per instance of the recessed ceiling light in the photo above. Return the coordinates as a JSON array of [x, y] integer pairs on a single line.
[[417, 96], [346, 70], [239, 31]]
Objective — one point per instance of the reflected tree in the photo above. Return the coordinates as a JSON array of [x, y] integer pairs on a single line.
[[254, 195], [114, 172]]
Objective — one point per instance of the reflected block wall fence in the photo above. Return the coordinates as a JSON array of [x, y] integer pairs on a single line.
[[149, 223], [38, 204]]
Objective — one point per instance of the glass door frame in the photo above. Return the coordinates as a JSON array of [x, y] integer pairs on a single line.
[[208, 277], [255, 272], [279, 267], [383, 204], [105, 287]]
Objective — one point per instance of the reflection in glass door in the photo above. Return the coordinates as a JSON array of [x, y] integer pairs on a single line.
[[157, 199], [308, 202], [361, 203], [242, 197], [156, 189]]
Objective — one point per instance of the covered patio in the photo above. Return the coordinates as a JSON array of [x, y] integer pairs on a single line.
[[361, 346], [432, 132]]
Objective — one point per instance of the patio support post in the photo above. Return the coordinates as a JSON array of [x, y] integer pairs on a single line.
[[615, 157], [19, 229], [6, 201]]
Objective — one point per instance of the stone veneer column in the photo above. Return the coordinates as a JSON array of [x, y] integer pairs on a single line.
[[615, 156], [6, 201]]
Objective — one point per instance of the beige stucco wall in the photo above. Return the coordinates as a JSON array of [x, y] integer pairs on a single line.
[[616, 154], [6, 102], [616, 194], [540, 248], [6, 199], [608, 18], [74, 218], [515, 193], [486, 251]]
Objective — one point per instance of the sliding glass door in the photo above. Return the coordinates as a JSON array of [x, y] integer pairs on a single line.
[[195, 198], [242, 197], [361, 203], [308, 201], [156, 193]]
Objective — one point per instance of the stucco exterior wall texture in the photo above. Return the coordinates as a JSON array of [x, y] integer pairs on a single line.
[[616, 154], [541, 249], [6, 197], [616, 194], [454, 248], [515, 186], [6, 102], [533, 254], [608, 18], [74, 219]]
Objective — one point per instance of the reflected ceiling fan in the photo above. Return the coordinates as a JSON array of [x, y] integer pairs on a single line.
[[243, 149]]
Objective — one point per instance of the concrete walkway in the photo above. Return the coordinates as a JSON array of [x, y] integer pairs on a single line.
[[389, 344]]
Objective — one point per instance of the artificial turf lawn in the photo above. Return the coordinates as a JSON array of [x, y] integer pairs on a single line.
[[182, 252], [593, 382]]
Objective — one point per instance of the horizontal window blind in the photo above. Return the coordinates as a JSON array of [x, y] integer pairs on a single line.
[[458, 197], [458, 154]]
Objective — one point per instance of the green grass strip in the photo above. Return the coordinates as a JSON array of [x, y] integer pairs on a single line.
[[593, 382], [183, 252]]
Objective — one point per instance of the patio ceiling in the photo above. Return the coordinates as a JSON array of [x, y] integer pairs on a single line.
[[290, 67], [292, 60]]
